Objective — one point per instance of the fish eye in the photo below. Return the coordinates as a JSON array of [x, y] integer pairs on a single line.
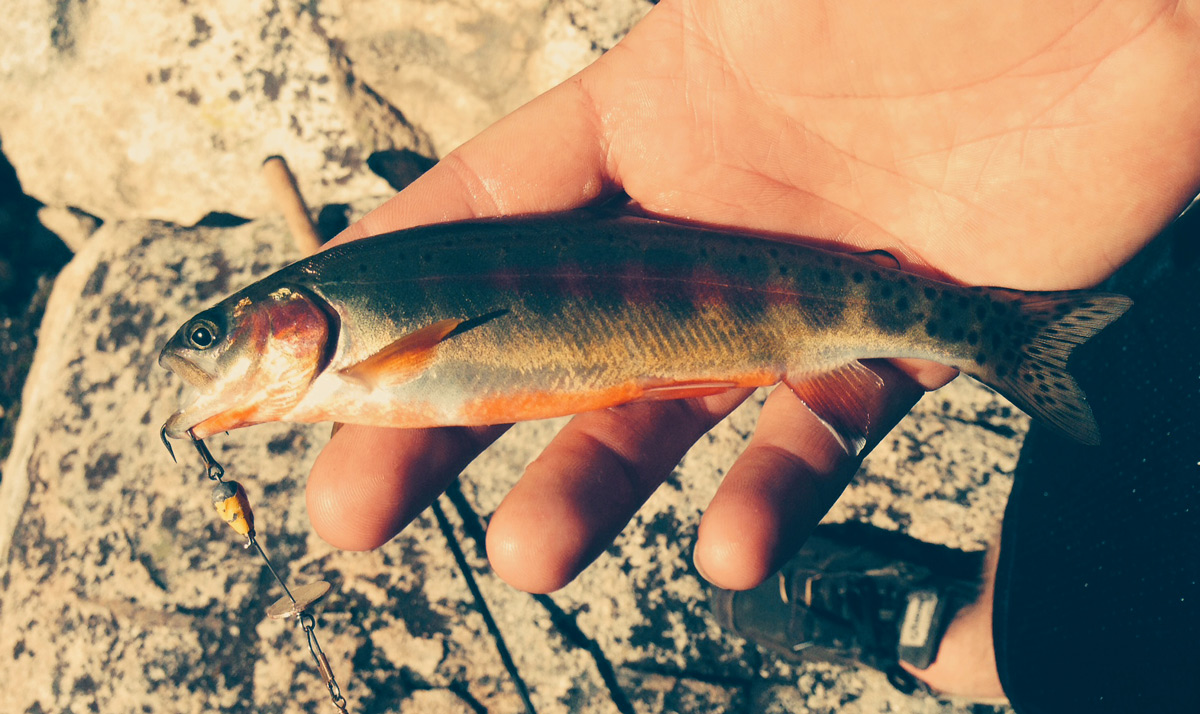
[[202, 334]]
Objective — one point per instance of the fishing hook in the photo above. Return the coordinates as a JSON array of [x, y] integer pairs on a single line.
[[212, 469]]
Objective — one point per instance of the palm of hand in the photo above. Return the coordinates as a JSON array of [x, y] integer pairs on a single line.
[[963, 141], [1037, 153]]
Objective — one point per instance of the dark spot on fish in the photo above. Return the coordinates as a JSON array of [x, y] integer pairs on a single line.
[[751, 306], [1044, 388], [930, 293], [742, 258], [774, 252], [1086, 305], [981, 311], [886, 291], [783, 270], [830, 313], [959, 333], [999, 307], [875, 275], [963, 300], [1062, 308], [837, 262], [1001, 371], [931, 329], [902, 304], [1028, 378], [857, 277], [1039, 399], [980, 359], [826, 277], [972, 338], [681, 309]]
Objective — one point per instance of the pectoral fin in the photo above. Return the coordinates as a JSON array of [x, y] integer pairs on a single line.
[[684, 390], [403, 359]]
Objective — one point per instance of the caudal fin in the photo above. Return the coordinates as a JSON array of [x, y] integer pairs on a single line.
[[1038, 382]]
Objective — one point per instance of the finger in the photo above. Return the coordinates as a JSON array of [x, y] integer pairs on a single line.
[[549, 155], [575, 498], [930, 375], [369, 482], [789, 476]]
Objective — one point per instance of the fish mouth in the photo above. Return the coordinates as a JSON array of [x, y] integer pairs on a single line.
[[193, 413], [174, 428], [186, 417], [186, 369]]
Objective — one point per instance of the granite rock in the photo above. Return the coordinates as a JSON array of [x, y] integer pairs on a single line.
[[121, 591], [128, 110], [454, 68]]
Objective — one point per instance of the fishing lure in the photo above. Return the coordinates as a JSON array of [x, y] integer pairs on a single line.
[[232, 503]]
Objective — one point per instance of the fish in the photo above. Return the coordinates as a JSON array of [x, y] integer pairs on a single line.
[[504, 320]]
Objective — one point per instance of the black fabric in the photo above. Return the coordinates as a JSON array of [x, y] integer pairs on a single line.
[[1097, 605]]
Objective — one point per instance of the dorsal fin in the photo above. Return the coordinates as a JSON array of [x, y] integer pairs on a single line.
[[880, 257], [403, 359]]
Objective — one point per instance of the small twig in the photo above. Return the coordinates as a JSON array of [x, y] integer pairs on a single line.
[[282, 185]]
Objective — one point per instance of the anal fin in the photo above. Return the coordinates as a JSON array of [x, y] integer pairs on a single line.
[[403, 359], [841, 399]]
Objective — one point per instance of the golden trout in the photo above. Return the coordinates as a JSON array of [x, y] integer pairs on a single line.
[[496, 321]]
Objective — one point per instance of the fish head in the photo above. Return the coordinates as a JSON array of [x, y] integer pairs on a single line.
[[247, 360]]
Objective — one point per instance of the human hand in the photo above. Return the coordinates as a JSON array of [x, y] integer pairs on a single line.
[[1029, 145]]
